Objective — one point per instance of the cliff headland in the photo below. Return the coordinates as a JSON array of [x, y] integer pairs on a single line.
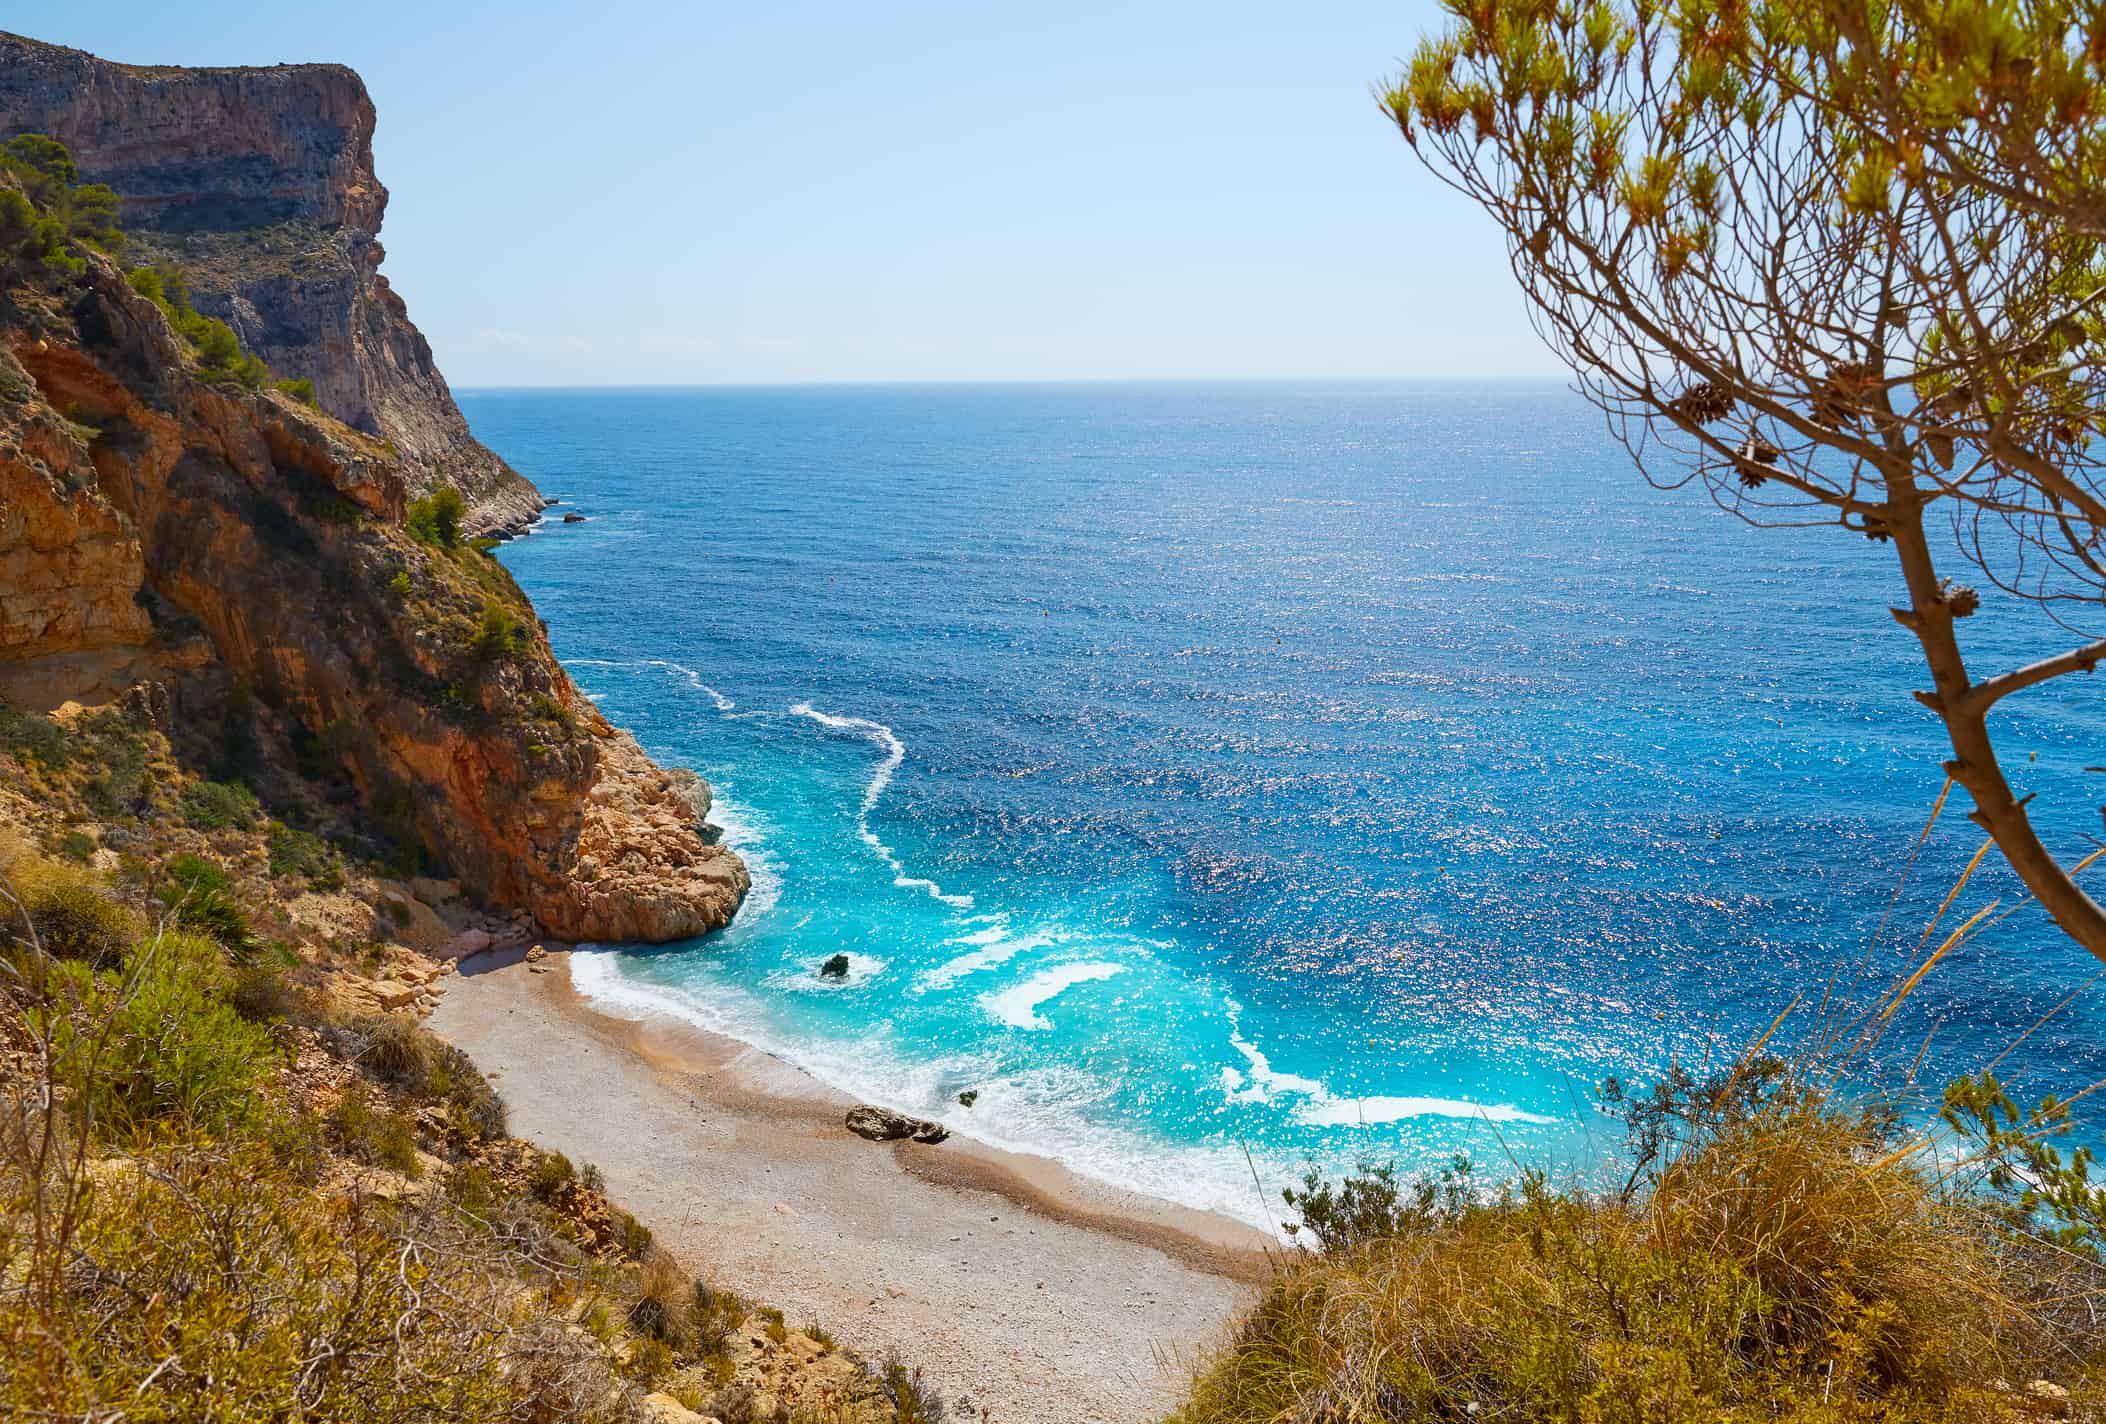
[[253, 555], [259, 185]]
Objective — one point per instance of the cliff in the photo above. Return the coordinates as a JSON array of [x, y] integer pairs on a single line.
[[238, 547], [259, 184]]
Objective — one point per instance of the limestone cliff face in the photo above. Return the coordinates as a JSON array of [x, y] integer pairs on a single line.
[[259, 184], [70, 568], [152, 524]]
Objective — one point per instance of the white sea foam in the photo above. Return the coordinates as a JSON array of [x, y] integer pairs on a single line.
[[806, 978], [687, 674], [742, 830], [895, 752], [1018, 1006], [694, 680], [1320, 1109], [1265, 1083], [1040, 1112], [992, 947], [1352, 1112]]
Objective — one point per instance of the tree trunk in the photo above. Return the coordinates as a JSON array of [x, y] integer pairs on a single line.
[[1974, 764]]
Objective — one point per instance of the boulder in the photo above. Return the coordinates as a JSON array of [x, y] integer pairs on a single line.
[[967, 1098], [835, 968], [664, 1409], [2045, 1399], [435, 892], [464, 944], [408, 919], [884, 1125], [692, 791]]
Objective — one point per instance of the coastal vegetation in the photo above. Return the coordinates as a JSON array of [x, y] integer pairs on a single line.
[[220, 356], [238, 1178], [1782, 1251], [232, 1186], [45, 210]]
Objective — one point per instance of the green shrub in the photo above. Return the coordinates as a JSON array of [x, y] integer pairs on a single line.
[[474, 1190], [47, 211], [1374, 1206], [500, 635], [476, 1109], [307, 855], [400, 587], [194, 872], [378, 1137], [436, 518], [218, 805], [177, 1052], [29, 737], [545, 708], [117, 749], [913, 1401], [550, 1175], [261, 994], [220, 356], [715, 1317], [631, 1235], [201, 898], [300, 388], [77, 846], [401, 1051]]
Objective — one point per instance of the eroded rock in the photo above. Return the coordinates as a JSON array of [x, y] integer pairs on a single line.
[[885, 1125]]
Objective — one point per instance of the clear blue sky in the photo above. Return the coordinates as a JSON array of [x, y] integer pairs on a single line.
[[625, 193]]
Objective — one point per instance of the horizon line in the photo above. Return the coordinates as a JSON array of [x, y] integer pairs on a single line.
[[1021, 381]]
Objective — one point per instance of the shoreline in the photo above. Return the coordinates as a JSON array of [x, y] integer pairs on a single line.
[[1011, 1280]]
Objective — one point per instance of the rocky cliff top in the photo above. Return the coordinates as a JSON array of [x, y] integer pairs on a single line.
[[259, 184], [224, 149]]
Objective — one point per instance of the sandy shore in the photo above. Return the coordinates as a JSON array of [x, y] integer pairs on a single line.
[[1036, 1293]]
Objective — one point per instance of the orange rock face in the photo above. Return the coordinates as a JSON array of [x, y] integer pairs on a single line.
[[69, 562], [184, 529]]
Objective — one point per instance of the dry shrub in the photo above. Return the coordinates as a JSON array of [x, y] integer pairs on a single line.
[[1788, 1268], [71, 913], [400, 1050], [1847, 1242], [203, 1283], [716, 1315], [662, 1294], [376, 1136]]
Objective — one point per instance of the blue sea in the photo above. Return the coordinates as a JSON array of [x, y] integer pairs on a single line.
[[1219, 780]]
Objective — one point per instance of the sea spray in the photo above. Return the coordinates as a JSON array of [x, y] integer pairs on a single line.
[[895, 752]]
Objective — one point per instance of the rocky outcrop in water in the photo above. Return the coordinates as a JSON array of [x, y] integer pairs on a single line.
[[259, 184]]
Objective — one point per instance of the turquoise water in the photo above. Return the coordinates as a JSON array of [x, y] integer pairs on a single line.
[[1219, 779]]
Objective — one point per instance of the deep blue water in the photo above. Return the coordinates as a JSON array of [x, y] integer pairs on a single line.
[[1332, 772]]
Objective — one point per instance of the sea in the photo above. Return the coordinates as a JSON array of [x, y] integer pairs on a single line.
[[1223, 782]]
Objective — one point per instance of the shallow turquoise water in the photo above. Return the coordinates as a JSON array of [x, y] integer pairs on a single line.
[[1316, 773]]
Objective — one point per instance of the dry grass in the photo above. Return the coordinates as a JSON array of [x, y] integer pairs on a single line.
[[1788, 1267]]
